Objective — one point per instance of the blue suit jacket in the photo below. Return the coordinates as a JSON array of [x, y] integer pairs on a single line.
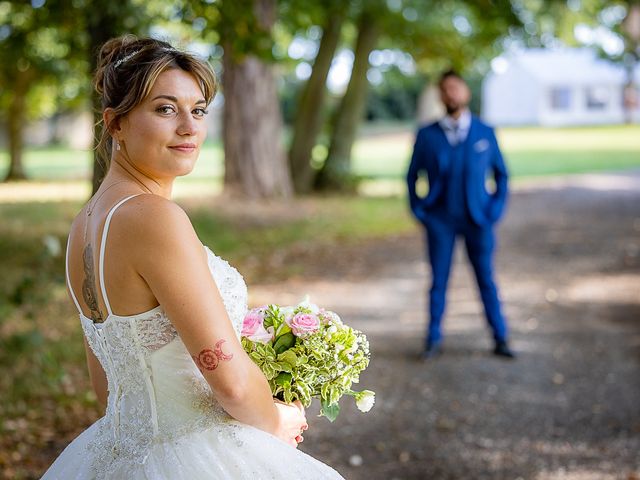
[[431, 155]]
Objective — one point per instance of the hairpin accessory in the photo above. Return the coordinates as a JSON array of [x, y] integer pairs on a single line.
[[134, 53], [126, 58]]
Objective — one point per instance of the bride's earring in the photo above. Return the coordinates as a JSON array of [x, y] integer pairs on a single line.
[[117, 145]]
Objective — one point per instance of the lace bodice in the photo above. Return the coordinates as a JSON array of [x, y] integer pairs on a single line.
[[156, 393]]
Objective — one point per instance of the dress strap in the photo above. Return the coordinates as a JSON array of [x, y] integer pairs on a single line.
[[66, 271], [103, 244]]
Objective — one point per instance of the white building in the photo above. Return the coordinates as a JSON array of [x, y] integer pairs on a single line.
[[556, 88]]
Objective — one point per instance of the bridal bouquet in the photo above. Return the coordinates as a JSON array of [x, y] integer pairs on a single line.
[[307, 352]]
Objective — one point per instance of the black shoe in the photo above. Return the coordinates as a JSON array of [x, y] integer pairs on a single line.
[[503, 350], [431, 351]]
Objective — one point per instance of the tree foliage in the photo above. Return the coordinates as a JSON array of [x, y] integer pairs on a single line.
[[48, 48], [40, 68]]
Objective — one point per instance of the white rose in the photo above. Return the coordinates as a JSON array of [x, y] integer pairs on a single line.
[[311, 306], [287, 312], [365, 400]]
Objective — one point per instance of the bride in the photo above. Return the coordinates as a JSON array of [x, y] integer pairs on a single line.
[[183, 400]]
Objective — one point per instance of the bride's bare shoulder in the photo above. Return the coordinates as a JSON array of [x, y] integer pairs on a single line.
[[155, 221]]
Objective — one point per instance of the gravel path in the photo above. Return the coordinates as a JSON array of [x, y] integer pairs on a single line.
[[568, 408]]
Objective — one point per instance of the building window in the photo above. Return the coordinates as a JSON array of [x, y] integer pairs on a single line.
[[597, 98], [561, 98]]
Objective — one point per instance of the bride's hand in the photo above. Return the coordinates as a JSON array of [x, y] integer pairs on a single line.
[[299, 438], [291, 422]]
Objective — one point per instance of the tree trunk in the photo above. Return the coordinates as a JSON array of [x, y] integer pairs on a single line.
[[101, 27], [336, 172], [255, 162], [308, 119], [15, 125], [630, 97], [100, 167], [631, 31]]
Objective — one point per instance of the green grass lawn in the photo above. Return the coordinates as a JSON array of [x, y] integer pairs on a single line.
[[528, 152], [62, 163]]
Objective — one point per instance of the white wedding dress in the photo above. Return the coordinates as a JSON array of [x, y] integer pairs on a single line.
[[162, 420]]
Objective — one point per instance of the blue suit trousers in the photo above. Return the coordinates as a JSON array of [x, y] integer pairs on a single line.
[[480, 242]]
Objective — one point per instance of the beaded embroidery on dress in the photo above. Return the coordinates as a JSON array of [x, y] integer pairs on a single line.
[[162, 420]]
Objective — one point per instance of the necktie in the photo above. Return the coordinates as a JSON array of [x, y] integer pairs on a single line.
[[455, 130]]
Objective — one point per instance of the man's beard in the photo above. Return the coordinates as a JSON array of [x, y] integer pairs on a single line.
[[451, 109]]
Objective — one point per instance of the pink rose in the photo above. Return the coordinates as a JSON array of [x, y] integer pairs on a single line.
[[253, 320], [262, 335], [303, 323]]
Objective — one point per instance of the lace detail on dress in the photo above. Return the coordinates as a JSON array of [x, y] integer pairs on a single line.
[[125, 347], [232, 288], [204, 403], [130, 423], [156, 331]]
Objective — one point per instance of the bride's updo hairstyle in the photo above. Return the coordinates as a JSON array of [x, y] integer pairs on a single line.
[[127, 69]]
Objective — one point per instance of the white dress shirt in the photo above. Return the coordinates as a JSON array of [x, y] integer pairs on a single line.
[[456, 130]]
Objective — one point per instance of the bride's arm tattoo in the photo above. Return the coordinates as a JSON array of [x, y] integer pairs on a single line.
[[89, 292], [209, 359]]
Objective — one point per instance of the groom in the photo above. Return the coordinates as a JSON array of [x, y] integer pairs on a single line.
[[456, 154]]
